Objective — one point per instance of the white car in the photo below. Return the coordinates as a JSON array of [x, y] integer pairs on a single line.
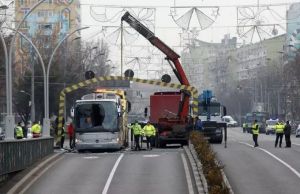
[[2, 135], [298, 131], [271, 126], [230, 121]]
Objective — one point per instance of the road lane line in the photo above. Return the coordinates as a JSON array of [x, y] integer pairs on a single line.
[[111, 175], [278, 159], [35, 178], [296, 144], [187, 174]]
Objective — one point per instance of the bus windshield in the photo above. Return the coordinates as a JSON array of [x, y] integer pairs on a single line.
[[96, 117], [260, 117], [214, 109]]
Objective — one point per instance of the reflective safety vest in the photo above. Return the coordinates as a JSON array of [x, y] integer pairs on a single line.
[[136, 129], [36, 128], [244, 125], [279, 128], [19, 132], [255, 129], [149, 130]]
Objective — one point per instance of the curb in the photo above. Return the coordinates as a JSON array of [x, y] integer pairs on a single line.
[[226, 182], [199, 178], [200, 170], [26, 179], [225, 179]]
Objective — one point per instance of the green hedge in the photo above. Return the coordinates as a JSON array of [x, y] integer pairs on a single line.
[[211, 170]]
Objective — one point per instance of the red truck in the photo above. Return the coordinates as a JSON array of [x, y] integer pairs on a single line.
[[169, 111]]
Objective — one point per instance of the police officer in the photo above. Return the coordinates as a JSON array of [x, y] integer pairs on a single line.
[[137, 131], [36, 129], [149, 132], [19, 131], [279, 129], [255, 132], [287, 134]]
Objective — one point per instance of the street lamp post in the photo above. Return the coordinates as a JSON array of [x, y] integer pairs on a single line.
[[44, 73], [46, 121], [10, 120], [6, 62]]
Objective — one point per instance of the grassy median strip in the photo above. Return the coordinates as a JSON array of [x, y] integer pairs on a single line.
[[211, 170]]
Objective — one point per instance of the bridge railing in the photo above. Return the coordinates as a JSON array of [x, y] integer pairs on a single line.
[[17, 155]]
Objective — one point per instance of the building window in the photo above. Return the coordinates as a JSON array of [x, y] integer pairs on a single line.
[[25, 10], [66, 18], [21, 2], [24, 24], [45, 26], [45, 13]]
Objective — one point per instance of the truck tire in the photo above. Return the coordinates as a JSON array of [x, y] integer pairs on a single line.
[[185, 143], [219, 141]]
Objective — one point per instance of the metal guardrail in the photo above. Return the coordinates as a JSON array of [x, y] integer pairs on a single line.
[[17, 155]]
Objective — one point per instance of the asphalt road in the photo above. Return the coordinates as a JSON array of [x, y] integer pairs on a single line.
[[156, 171], [262, 170]]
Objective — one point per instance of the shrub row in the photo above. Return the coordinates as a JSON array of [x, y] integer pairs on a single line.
[[211, 170]]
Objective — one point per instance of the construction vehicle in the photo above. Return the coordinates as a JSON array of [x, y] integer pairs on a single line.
[[100, 120], [210, 112], [169, 111]]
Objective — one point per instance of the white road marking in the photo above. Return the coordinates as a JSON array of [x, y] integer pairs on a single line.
[[187, 174], [278, 159], [296, 144], [91, 157], [150, 156], [111, 175], [35, 178]]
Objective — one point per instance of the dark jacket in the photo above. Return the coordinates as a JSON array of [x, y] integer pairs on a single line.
[[287, 129]]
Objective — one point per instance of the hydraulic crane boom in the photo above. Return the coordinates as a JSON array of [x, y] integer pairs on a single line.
[[149, 35]]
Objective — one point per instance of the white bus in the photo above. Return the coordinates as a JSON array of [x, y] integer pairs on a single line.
[[100, 121]]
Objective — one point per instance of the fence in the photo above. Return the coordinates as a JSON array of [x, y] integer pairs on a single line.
[[17, 155]]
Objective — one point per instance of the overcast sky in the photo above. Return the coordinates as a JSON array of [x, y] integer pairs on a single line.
[[225, 22]]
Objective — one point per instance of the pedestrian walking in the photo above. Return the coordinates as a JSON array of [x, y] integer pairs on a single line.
[[149, 132], [19, 131], [71, 135], [36, 129], [137, 131], [255, 132], [287, 134], [279, 129]]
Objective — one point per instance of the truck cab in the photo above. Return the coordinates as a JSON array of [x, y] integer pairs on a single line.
[[210, 111]]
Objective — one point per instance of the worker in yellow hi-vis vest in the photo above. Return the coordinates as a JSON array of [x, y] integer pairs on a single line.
[[279, 130], [19, 131], [255, 132], [149, 131], [36, 130]]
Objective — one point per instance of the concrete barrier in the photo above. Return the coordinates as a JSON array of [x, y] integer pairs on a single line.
[[16, 155]]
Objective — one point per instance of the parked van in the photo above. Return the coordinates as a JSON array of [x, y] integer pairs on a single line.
[[230, 121]]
